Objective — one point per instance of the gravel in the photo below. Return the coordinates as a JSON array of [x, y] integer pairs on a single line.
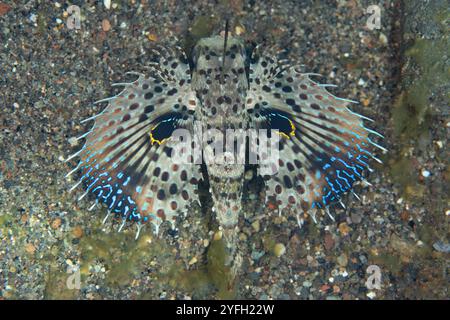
[[51, 75]]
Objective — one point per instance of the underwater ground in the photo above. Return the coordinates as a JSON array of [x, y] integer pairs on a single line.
[[51, 75]]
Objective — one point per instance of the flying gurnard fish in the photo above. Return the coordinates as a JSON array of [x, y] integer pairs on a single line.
[[126, 162]]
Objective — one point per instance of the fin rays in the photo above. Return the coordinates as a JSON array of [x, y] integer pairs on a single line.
[[331, 147]]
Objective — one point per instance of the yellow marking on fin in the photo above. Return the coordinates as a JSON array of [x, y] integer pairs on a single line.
[[284, 135], [292, 133], [153, 140]]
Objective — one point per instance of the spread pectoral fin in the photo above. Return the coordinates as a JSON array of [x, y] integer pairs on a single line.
[[324, 147], [126, 161]]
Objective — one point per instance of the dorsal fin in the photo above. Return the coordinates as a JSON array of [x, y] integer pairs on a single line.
[[224, 50]]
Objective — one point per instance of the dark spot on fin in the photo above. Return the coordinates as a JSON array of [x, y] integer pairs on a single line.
[[164, 126]]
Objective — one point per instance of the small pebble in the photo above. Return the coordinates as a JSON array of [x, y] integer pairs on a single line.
[[256, 255], [4, 8], [441, 247], [356, 218], [328, 241], [56, 223], [279, 249], [239, 30], [256, 225], [107, 4], [152, 37], [324, 288], [30, 248], [425, 173], [404, 215], [344, 229], [73, 141], [365, 102], [371, 294], [383, 39], [24, 218], [77, 232], [33, 18], [106, 25], [342, 260], [218, 235]]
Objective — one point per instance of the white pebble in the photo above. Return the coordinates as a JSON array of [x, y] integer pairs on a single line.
[[33, 18], [73, 141], [371, 294], [383, 38], [107, 4], [425, 173]]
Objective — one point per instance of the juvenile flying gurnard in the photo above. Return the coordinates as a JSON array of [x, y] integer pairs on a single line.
[[126, 162]]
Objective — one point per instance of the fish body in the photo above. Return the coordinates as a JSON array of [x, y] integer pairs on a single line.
[[220, 83]]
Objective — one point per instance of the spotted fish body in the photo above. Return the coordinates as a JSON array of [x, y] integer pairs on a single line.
[[220, 83], [127, 164]]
